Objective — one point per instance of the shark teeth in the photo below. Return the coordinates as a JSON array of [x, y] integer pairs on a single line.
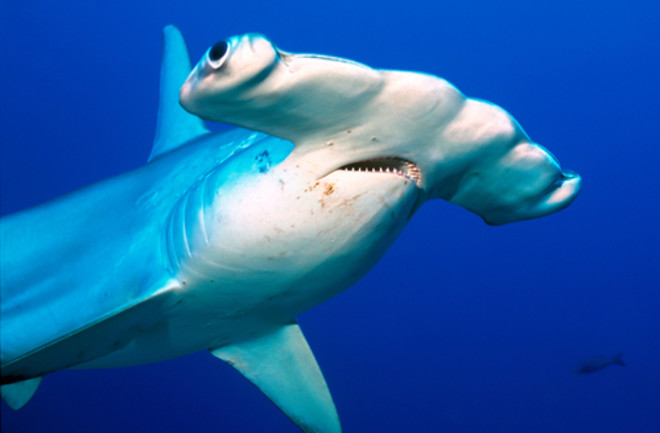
[[391, 165]]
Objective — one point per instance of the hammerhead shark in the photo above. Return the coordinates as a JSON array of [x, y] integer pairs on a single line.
[[223, 238]]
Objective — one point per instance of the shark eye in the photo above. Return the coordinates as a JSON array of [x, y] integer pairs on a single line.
[[218, 53]]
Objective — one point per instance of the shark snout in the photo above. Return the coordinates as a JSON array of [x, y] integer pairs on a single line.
[[553, 199], [567, 189]]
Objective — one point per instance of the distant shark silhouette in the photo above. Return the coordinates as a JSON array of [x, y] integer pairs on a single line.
[[596, 363], [222, 239]]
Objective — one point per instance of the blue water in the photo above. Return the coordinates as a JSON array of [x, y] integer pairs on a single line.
[[461, 327]]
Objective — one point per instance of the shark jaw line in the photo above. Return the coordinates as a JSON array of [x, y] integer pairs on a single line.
[[388, 165]]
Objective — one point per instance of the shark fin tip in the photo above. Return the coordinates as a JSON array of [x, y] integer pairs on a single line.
[[17, 394]]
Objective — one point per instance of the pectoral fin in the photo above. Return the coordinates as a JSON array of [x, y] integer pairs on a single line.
[[283, 367], [17, 394]]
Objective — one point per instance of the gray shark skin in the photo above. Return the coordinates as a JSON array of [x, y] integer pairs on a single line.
[[222, 239]]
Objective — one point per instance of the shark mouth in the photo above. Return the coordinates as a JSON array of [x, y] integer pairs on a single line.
[[392, 165]]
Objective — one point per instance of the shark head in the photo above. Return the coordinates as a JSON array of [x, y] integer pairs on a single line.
[[347, 118]]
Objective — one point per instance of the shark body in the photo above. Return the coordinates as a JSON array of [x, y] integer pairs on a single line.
[[222, 239], [597, 363]]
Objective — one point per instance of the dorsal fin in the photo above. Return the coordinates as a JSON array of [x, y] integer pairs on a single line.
[[175, 125]]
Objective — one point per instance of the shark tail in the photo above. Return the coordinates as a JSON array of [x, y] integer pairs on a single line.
[[17, 394], [618, 359]]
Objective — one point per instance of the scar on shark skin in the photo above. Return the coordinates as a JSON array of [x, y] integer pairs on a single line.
[[329, 189], [312, 187]]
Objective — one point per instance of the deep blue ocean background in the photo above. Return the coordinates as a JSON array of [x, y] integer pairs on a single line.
[[462, 327]]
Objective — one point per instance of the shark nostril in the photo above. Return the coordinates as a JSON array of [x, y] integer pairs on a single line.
[[398, 166]]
